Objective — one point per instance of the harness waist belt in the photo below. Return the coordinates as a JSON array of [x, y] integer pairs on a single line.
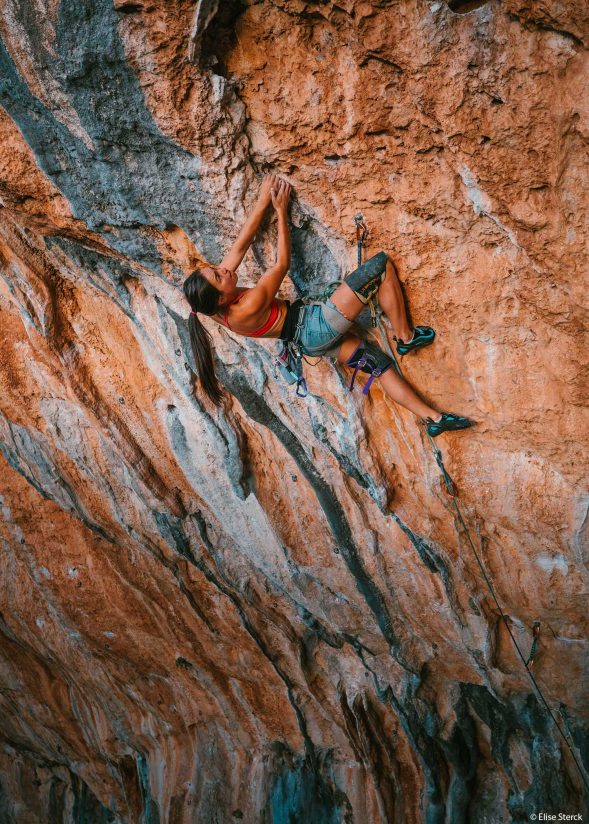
[[290, 321]]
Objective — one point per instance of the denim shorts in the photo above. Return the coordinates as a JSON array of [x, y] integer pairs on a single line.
[[320, 328]]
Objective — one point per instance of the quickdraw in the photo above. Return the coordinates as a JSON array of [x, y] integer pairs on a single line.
[[289, 362], [361, 236]]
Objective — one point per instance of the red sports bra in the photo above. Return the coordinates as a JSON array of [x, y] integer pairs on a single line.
[[274, 310]]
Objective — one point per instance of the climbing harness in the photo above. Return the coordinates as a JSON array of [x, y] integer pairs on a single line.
[[365, 282]]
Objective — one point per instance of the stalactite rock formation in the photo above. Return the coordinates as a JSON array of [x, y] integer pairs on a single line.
[[212, 615]]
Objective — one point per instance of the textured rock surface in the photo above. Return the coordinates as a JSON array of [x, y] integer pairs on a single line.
[[211, 616]]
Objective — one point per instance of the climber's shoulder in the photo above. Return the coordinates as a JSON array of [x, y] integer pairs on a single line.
[[241, 307]]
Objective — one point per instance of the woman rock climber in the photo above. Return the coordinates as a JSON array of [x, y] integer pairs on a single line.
[[317, 328]]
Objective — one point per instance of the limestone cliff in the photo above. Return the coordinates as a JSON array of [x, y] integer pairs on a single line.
[[212, 616]]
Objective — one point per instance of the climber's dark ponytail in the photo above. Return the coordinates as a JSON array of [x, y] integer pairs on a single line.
[[203, 298]]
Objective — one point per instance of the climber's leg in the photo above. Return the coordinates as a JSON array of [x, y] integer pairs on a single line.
[[392, 384], [376, 279], [352, 295], [392, 301], [376, 276]]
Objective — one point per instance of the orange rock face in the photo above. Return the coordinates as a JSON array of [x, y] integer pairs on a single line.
[[265, 613]]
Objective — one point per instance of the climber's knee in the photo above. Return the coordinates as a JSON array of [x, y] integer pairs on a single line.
[[370, 359], [365, 281]]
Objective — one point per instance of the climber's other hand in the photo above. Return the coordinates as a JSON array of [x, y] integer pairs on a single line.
[[280, 194], [265, 196]]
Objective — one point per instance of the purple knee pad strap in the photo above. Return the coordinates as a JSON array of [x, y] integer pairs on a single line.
[[371, 360]]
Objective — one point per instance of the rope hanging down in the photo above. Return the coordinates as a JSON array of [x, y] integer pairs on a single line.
[[361, 235]]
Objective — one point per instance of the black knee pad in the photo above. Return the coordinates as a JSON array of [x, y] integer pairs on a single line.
[[370, 359], [366, 279]]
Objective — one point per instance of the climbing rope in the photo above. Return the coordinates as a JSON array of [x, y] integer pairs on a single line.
[[361, 235], [528, 663]]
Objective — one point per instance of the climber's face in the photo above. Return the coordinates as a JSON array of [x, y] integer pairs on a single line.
[[224, 280]]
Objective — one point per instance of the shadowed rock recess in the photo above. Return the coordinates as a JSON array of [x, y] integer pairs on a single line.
[[211, 615]]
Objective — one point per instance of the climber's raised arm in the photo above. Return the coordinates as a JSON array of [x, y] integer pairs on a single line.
[[267, 286], [245, 238]]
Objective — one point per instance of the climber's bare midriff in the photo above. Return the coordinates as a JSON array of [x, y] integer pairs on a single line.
[[239, 316]]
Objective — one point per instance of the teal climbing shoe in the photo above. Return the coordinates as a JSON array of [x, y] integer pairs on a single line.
[[422, 336], [447, 423]]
